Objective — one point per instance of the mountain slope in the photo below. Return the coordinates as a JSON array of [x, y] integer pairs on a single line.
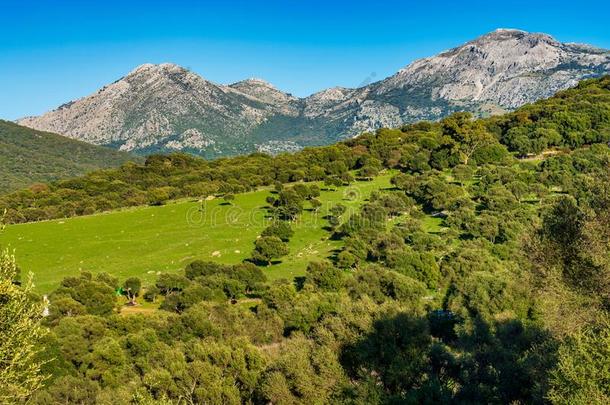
[[28, 156], [166, 107], [498, 71], [157, 107]]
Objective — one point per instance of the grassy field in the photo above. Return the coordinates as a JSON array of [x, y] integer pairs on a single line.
[[147, 240]]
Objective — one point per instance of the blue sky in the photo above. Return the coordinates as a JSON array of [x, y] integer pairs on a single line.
[[55, 51]]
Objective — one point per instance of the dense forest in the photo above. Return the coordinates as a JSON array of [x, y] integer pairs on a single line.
[[508, 303], [28, 156]]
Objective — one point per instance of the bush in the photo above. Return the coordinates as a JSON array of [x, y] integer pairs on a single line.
[[325, 276], [280, 229], [267, 248]]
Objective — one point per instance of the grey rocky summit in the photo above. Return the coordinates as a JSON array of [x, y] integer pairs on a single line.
[[166, 107]]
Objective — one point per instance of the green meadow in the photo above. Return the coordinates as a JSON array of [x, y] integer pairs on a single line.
[[144, 241]]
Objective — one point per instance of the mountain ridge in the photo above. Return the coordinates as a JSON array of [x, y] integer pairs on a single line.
[[166, 107]]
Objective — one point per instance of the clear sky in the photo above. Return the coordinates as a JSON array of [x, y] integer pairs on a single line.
[[55, 51]]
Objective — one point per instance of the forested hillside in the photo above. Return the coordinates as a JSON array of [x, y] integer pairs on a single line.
[[571, 119], [505, 301], [28, 156]]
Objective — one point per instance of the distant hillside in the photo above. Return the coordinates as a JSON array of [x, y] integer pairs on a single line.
[[28, 156], [572, 118], [167, 108]]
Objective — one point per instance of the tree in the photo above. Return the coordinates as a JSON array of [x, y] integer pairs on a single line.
[[131, 288], [171, 283], [228, 198], [333, 181], [303, 372], [419, 162], [151, 293], [62, 307], [267, 248], [395, 203], [280, 295], [314, 191], [486, 226], [281, 229], [519, 189], [324, 276], [371, 168], [232, 288], [420, 266], [200, 268], [96, 295], [347, 178], [395, 354], [289, 204], [249, 274], [20, 332], [469, 135], [346, 260], [302, 190], [315, 204], [159, 195], [338, 210], [581, 375], [334, 219], [463, 173]]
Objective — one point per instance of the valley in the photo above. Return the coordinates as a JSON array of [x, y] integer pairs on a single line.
[[145, 241], [439, 236]]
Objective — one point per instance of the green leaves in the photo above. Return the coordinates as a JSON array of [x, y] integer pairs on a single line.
[[267, 248], [20, 333], [582, 374]]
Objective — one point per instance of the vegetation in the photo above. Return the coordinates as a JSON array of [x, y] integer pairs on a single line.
[[478, 277], [572, 118], [29, 157], [144, 241], [20, 333]]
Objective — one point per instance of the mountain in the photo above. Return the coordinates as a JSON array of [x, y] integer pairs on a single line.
[[28, 156], [166, 107], [157, 107]]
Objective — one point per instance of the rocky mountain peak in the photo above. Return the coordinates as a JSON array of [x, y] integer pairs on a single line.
[[506, 68], [159, 107], [263, 91], [253, 82], [504, 37], [168, 73], [151, 68], [505, 34]]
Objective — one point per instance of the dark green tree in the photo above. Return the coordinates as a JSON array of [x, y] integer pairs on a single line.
[[267, 248], [131, 289]]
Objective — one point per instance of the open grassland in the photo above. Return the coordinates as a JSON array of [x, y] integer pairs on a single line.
[[147, 240]]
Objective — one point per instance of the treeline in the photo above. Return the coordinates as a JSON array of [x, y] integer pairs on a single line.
[[571, 119]]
